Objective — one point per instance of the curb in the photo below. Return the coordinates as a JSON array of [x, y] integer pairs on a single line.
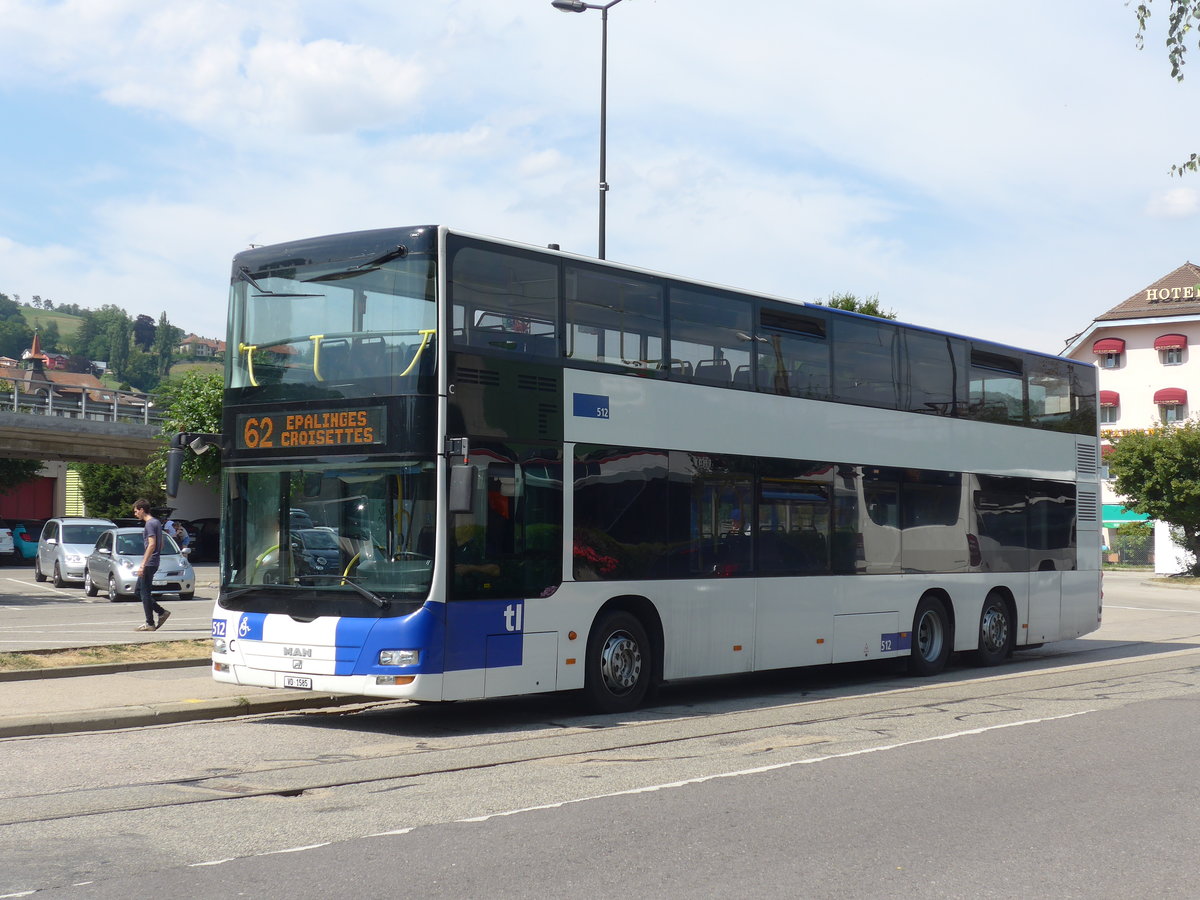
[[116, 718], [102, 669]]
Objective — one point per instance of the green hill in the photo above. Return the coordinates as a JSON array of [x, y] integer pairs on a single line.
[[39, 318]]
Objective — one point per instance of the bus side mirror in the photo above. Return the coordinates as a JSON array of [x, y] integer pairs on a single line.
[[462, 486], [174, 467]]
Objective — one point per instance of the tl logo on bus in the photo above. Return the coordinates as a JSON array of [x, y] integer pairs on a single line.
[[512, 616]]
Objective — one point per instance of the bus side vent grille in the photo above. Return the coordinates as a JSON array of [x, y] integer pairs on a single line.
[[486, 377], [1088, 505], [1087, 459], [537, 383], [547, 414]]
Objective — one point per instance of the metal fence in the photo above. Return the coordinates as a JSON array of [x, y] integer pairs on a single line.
[[99, 405]]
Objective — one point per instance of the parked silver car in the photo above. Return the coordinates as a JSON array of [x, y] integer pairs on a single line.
[[118, 553], [64, 546]]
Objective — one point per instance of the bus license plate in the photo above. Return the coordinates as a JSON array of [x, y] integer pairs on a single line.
[[297, 681]]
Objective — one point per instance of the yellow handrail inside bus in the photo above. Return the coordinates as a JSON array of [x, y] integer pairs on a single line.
[[260, 558], [249, 349], [316, 339], [426, 334]]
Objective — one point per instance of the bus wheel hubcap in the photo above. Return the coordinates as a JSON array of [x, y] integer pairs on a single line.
[[929, 636], [995, 629], [620, 663]]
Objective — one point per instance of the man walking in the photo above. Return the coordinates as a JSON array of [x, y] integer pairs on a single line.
[[149, 566]]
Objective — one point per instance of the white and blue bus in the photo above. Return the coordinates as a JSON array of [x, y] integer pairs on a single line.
[[460, 467]]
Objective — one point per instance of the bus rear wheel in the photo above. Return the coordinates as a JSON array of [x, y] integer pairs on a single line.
[[930, 637], [996, 632], [619, 664]]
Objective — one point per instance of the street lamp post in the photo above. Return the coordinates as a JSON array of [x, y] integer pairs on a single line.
[[579, 6]]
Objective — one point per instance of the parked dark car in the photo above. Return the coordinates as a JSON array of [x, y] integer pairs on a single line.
[[315, 551], [206, 540]]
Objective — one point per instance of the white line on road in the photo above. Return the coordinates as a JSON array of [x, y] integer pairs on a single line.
[[787, 765], [1193, 612]]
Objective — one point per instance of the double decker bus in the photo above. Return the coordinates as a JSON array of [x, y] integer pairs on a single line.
[[460, 467]]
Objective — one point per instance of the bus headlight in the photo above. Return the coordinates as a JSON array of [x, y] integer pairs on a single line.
[[219, 645], [399, 657]]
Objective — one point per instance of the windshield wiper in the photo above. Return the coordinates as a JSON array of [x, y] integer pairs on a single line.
[[397, 252], [381, 602], [244, 274]]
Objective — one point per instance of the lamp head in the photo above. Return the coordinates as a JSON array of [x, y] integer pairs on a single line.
[[569, 5]]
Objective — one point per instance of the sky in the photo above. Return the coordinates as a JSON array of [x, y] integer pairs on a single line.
[[999, 170]]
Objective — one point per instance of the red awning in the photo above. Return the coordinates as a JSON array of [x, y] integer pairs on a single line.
[[1110, 398], [1108, 345], [1170, 397], [1170, 342]]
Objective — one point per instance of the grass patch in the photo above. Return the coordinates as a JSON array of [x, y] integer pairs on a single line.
[[1182, 580], [40, 318], [106, 654]]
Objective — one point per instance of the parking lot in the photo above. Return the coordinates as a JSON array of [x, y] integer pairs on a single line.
[[36, 615]]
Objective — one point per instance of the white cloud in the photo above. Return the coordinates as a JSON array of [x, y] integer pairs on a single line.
[[1180, 203], [958, 160]]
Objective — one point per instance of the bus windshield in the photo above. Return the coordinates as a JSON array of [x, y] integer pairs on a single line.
[[330, 323], [319, 539]]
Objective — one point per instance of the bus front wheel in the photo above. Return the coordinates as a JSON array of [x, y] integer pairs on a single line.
[[619, 664], [996, 632], [930, 637]]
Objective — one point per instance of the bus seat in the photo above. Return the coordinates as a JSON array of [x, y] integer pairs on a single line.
[[369, 356], [676, 368], [335, 362], [714, 371], [741, 377]]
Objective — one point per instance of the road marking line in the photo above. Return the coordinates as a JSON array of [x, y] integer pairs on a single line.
[[1192, 612], [787, 765]]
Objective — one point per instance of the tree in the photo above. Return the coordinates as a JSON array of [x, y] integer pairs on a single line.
[[15, 472], [141, 370], [1158, 472], [49, 336], [193, 403], [166, 338], [118, 347], [109, 491], [868, 306], [93, 338], [15, 334], [143, 332], [1183, 16]]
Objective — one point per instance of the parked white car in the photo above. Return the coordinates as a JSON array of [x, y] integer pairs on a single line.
[[8, 550]]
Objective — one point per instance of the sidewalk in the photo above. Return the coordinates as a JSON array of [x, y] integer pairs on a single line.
[[99, 698]]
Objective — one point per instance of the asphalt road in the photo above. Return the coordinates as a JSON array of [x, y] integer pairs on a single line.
[[36, 615], [1065, 773]]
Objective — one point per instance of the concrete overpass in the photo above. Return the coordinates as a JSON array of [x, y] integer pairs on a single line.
[[116, 433]]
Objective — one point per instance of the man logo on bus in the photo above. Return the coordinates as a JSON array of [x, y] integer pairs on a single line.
[[512, 617]]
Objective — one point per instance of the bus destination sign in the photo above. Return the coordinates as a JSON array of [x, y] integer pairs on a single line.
[[315, 428]]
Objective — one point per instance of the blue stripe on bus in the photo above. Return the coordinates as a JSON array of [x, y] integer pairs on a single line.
[[484, 634], [363, 639], [898, 640]]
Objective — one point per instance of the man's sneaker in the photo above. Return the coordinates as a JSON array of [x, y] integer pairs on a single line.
[[166, 614], [146, 627]]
